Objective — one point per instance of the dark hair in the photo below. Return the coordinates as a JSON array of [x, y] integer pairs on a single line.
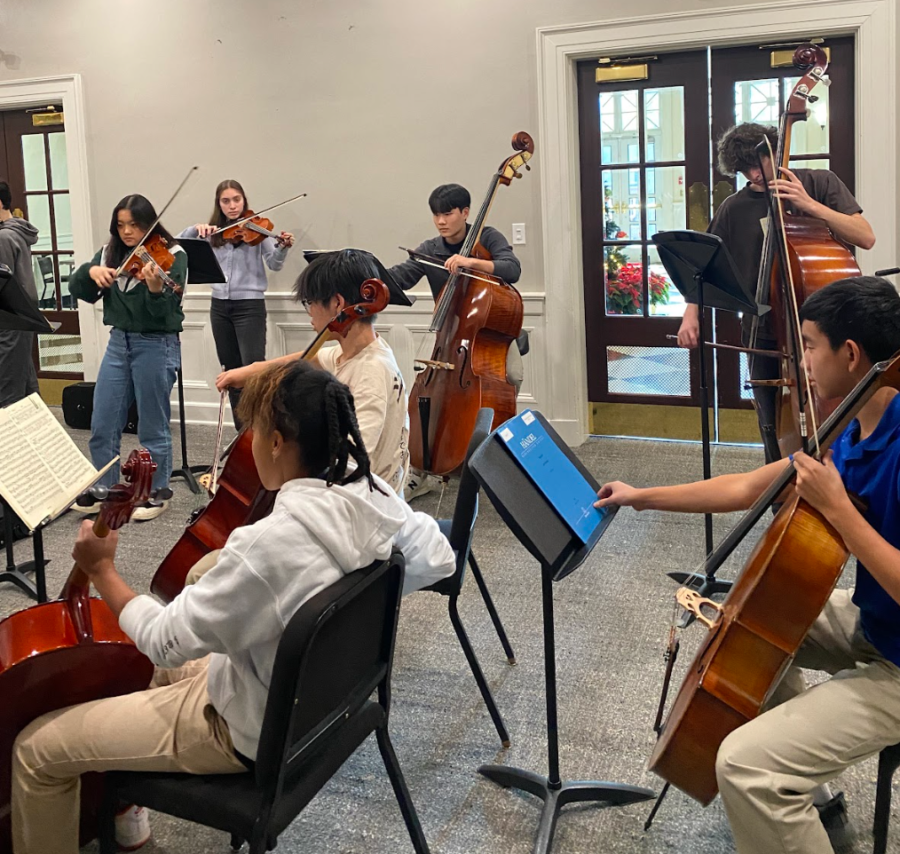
[[337, 273], [218, 218], [314, 409], [864, 309], [5, 195], [445, 198], [144, 215], [737, 147]]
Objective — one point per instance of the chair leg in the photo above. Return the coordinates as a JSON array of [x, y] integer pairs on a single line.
[[106, 821], [489, 604], [404, 799], [886, 768], [475, 667]]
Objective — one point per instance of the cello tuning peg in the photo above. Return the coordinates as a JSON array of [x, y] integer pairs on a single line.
[[527, 168], [825, 80], [517, 175], [812, 99]]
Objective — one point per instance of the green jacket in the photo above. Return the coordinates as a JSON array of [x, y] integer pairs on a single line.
[[129, 305]]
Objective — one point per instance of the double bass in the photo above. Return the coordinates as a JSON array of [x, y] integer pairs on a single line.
[[240, 498], [800, 255], [70, 651], [475, 320], [759, 627]]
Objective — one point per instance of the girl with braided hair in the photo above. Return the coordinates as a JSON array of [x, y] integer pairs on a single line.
[[204, 710]]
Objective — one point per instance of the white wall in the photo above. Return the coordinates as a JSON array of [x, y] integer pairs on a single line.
[[364, 105]]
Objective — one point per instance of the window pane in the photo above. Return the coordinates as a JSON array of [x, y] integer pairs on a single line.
[[811, 136], [756, 101], [44, 280], [63, 211], [665, 299], [623, 280], [618, 125], [649, 370], [39, 217], [668, 199], [35, 161], [664, 123], [621, 200], [59, 165]]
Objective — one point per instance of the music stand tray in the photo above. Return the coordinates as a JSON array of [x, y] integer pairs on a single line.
[[538, 526]]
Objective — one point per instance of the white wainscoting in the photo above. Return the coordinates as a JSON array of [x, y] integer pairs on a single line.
[[288, 331]]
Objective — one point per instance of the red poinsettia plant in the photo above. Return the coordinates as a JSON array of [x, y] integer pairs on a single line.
[[623, 289]]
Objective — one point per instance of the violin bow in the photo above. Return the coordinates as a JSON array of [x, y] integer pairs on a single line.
[[240, 222], [428, 261], [156, 222]]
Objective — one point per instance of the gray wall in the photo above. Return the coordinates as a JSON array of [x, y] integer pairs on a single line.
[[365, 105]]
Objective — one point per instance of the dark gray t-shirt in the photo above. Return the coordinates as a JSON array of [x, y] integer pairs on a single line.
[[740, 222]]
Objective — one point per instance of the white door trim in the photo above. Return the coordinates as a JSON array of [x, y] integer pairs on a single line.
[[67, 90], [558, 48]]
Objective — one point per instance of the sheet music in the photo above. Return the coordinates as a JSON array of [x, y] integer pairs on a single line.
[[41, 469]]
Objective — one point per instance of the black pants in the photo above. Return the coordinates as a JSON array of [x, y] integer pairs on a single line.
[[765, 397], [239, 329], [17, 375]]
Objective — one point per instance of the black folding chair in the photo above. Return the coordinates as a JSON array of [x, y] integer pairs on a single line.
[[335, 652], [459, 531]]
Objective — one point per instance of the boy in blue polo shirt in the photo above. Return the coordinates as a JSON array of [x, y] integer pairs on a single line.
[[775, 770]]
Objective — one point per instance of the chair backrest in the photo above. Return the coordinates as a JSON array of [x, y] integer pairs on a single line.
[[336, 650], [45, 265], [466, 510]]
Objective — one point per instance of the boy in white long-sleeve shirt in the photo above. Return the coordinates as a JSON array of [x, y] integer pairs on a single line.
[[330, 518]]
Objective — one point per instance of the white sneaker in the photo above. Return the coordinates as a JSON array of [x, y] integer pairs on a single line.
[[147, 511], [132, 828], [418, 483], [90, 510]]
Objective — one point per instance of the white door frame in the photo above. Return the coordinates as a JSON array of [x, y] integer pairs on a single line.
[[67, 90], [558, 49]]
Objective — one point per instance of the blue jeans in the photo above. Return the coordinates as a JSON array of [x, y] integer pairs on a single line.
[[137, 367]]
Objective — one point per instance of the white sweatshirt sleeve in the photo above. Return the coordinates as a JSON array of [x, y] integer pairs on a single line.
[[429, 557], [230, 608]]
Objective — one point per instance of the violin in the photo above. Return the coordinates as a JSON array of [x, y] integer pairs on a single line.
[[252, 231], [476, 317], [70, 651], [240, 498], [154, 249]]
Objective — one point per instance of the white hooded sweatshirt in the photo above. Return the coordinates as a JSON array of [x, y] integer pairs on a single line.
[[238, 610]]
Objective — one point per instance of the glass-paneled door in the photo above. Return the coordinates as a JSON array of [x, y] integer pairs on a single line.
[[33, 161], [643, 161]]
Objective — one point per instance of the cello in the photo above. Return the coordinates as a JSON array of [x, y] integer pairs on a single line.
[[70, 651], [800, 255], [475, 319], [240, 498], [759, 627]]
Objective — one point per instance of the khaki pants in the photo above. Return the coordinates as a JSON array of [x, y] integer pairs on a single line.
[[769, 767], [169, 727]]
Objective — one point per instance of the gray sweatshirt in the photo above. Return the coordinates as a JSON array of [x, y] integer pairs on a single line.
[[17, 236], [242, 264]]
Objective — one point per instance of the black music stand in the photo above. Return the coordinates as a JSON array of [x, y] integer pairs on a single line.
[[398, 295], [704, 272], [538, 526], [19, 313], [203, 269]]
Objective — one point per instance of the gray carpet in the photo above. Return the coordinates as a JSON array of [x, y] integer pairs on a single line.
[[612, 620]]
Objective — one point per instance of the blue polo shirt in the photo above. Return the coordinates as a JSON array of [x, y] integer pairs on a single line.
[[871, 469]]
